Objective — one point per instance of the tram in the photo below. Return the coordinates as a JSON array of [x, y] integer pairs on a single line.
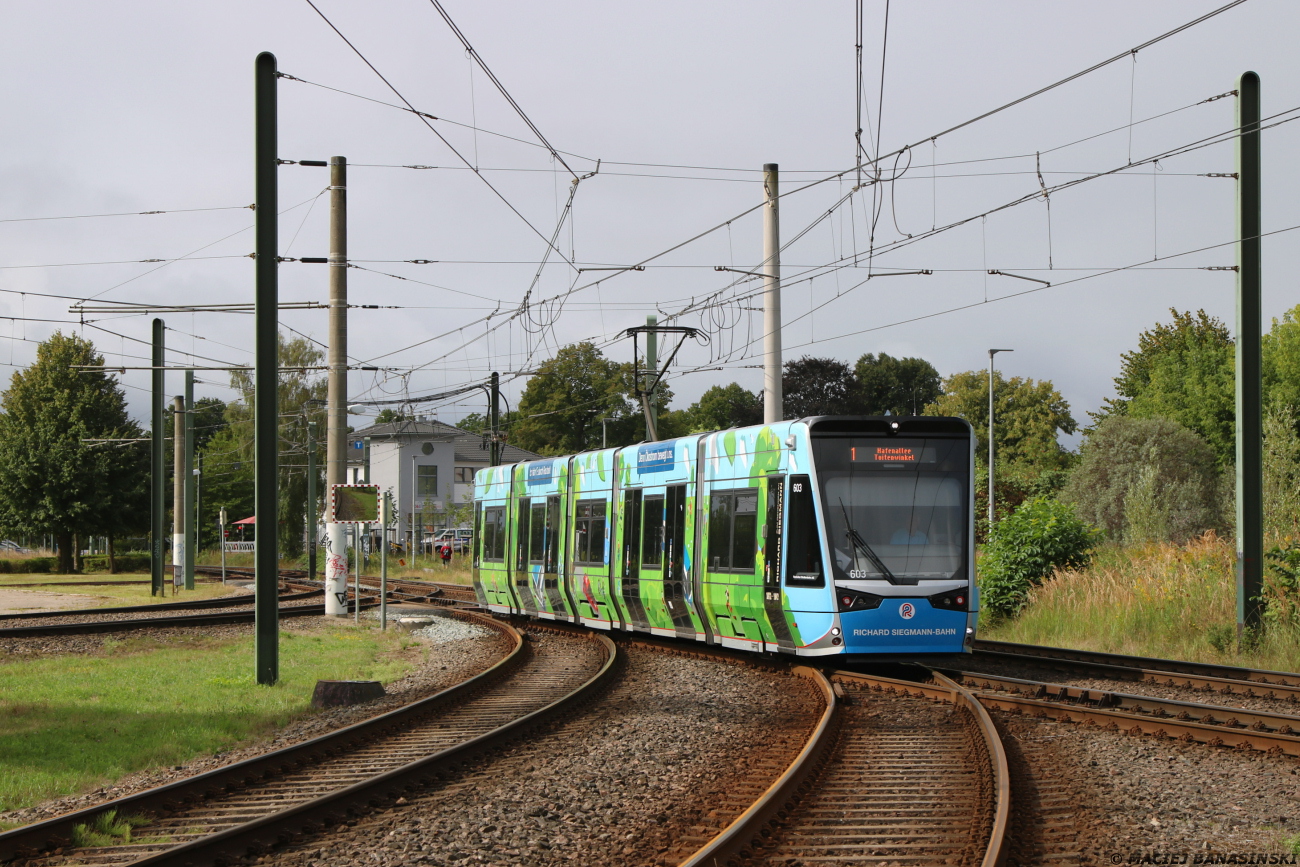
[[821, 536]]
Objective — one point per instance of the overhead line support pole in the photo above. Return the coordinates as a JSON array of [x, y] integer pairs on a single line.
[[773, 409], [158, 465], [652, 367], [336, 425], [266, 362], [313, 537], [1250, 469], [495, 453], [190, 488], [178, 492]]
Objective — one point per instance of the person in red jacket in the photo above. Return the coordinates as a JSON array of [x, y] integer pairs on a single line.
[[445, 552]]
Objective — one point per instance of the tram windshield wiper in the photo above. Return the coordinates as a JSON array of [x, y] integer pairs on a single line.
[[860, 544]]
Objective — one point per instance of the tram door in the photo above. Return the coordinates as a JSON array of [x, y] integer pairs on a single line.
[[632, 603], [551, 560], [773, 549], [523, 535], [675, 577]]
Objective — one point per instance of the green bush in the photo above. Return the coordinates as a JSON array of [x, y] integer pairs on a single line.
[[1146, 480], [1042, 535], [22, 566], [130, 562]]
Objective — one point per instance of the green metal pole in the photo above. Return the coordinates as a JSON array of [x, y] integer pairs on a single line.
[[496, 422], [198, 502], [1250, 464], [266, 364], [385, 510], [190, 487], [313, 539], [158, 468]]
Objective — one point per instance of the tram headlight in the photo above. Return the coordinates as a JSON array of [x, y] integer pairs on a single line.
[[835, 630]]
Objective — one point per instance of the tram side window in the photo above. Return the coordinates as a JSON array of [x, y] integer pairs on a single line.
[[733, 530], [803, 546], [537, 533], [494, 534], [589, 533], [652, 533]]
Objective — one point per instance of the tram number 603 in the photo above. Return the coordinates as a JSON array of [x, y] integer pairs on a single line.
[[796, 487]]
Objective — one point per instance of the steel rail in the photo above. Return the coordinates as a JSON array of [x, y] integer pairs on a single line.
[[1203, 669], [191, 605], [1222, 685], [100, 626], [776, 802], [30, 840], [736, 836], [1152, 706], [1134, 724], [262, 835], [996, 854]]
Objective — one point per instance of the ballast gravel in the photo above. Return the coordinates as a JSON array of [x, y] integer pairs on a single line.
[[1138, 796], [622, 784], [445, 663]]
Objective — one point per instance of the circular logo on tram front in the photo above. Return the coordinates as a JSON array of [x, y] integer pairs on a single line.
[[906, 610]]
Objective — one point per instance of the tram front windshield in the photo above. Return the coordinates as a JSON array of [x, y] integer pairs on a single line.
[[895, 509]]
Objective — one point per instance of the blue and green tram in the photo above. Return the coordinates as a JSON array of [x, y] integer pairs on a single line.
[[826, 535]]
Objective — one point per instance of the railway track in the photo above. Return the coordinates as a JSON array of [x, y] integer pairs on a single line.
[[920, 778], [1223, 679], [277, 798]]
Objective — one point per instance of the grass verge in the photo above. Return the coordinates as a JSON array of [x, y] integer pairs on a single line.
[[72, 723], [1170, 601]]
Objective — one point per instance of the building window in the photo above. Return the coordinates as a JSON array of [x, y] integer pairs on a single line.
[[465, 475], [589, 533], [733, 530], [426, 481]]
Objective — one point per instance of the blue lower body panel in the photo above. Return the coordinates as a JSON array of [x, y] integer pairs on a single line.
[[904, 626]]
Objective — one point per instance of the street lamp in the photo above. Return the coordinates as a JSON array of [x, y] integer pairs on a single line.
[[992, 352]]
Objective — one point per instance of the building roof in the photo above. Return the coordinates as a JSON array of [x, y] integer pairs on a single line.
[[470, 448]]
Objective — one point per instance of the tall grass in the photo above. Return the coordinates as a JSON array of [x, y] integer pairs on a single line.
[[1157, 599]]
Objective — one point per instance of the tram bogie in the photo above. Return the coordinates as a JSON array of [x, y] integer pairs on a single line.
[[829, 535]]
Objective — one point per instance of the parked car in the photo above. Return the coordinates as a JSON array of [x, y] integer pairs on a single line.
[[460, 540], [8, 546]]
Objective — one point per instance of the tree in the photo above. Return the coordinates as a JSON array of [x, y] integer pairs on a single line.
[[297, 386], [897, 386], [1281, 368], [55, 482], [725, 406], [1029, 416], [562, 406], [1144, 480], [816, 386], [389, 415], [1182, 371]]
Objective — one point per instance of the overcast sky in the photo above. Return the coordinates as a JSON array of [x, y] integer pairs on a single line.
[[146, 106]]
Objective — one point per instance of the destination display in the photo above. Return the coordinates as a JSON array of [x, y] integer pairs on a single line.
[[893, 453]]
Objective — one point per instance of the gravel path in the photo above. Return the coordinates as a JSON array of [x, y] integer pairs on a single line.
[[623, 784], [444, 663], [1129, 795], [1066, 676]]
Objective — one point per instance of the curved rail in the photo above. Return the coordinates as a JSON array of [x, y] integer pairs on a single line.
[[738, 838], [235, 601], [348, 796], [90, 627], [1201, 675], [56, 832]]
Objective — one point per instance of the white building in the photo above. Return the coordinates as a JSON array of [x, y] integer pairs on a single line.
[[422, 463]]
